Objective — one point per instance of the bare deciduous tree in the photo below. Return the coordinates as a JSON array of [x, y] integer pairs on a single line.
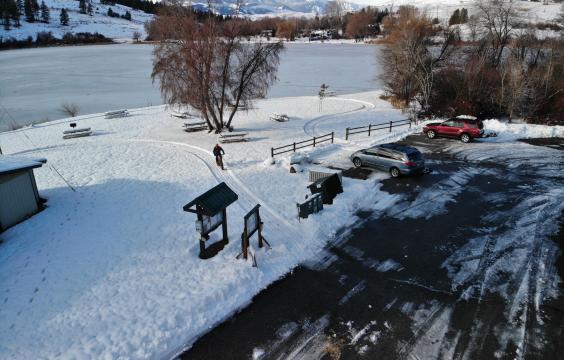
[[69, 109], [497, 17], [206, 65]]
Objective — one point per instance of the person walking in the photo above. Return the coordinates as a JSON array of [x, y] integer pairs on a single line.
[[218, 152]]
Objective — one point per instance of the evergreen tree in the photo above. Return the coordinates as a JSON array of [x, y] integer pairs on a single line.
[[89, 8], [82, 6], [111, 12], [28, 11], [464, 16], [14, 12], [35, 9], [6, 20], [20, 6], [127, 16], [45, 16], [455, 18], [64, 17]]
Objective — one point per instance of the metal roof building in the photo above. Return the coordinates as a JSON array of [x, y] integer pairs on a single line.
[[19, 198]]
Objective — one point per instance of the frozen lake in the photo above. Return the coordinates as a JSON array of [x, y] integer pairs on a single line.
[[34, 83]]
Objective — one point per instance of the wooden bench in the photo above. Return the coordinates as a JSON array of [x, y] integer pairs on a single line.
[[75, 133], [116, 114], [279, 117], [196, 126], [232, 137]]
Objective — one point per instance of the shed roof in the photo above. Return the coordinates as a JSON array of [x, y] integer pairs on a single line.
[[214, 200], [10, 164]]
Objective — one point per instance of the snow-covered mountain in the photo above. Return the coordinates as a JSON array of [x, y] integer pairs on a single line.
[[273, 7]]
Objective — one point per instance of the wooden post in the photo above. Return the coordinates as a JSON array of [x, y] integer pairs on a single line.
[[272, 152], [202, 247], [260, 232], [294, 147], [224, 226], [369, 128], [332, 136], [245, 244], [314, 141], [390, 126], [346, 133]]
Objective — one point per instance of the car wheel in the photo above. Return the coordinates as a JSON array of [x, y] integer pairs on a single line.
[[465, 138], [357, 162], [431, 134], [394, 172]]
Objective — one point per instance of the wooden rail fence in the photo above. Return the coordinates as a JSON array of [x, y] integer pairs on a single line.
[[302, 144], [368, 129]]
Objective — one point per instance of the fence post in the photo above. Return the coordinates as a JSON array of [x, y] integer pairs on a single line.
[[314, 141], [332, 136], [346, 133], [294, 147], [369, 128], [272, 152], [390, 126]]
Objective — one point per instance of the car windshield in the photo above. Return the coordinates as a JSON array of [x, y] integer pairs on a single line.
[[414, 156]]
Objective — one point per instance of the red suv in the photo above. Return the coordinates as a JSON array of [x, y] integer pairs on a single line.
[[460, 128]]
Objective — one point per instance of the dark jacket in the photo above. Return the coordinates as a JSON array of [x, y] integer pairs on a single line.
[[218, 151]]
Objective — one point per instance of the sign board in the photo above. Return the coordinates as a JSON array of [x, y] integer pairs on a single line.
[[252, 221], [210, 223]]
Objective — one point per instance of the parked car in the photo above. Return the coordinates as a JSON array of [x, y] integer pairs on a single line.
[[465, 129], [393, 158]]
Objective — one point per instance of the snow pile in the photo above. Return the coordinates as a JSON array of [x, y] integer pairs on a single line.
[[508, 132]]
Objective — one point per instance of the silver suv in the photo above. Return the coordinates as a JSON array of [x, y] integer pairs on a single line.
[[393, 158]]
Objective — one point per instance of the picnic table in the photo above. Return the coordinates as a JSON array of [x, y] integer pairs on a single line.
[[279, 117], [181, 114], [69, 134], [232, 137], [116, 114], [195, 126]]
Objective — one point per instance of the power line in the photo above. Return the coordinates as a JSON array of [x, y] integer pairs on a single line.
[[14, 124]]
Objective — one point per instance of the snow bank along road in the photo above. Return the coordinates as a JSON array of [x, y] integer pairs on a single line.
[[111, 270]]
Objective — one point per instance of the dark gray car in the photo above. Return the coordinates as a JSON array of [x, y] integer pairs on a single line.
[[393, 158]]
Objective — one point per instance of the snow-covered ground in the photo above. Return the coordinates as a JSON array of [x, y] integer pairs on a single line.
[[529, 11], [111, 270], [100, 22]]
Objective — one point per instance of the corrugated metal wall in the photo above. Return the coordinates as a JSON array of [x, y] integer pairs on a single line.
[[18, 199]]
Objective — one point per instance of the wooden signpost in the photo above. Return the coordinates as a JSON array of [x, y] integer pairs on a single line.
[[252, 224]]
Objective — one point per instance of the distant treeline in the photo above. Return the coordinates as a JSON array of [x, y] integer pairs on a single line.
[[47, 39]]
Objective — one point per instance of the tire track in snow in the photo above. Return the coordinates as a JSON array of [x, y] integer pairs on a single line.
[[234, 182], [309, 126]]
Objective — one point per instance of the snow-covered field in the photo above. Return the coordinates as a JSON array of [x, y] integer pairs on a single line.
[[529, 11], [115, 28], [111, 270]]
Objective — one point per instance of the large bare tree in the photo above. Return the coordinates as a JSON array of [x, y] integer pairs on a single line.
[[204, 64], [498, 18]]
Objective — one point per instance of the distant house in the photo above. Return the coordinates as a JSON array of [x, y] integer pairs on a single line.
[[267, 33], [19, 198]]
